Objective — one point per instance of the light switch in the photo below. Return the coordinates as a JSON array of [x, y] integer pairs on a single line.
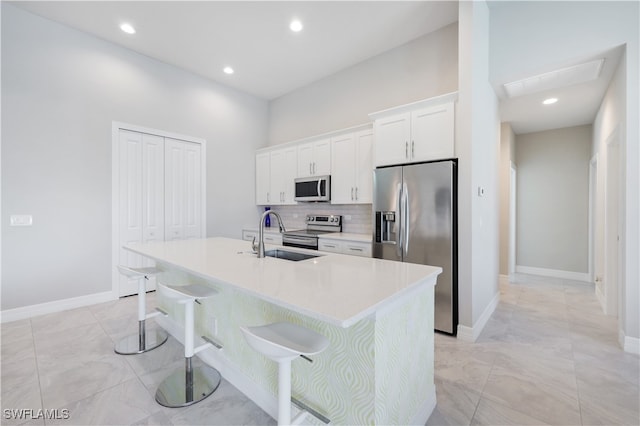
[[480, 191], [21, 220]]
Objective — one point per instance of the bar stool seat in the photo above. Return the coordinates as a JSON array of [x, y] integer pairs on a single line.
[[144, 341], [282, 342], [187, 386]]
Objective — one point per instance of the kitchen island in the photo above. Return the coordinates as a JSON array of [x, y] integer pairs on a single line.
[[377, 315]]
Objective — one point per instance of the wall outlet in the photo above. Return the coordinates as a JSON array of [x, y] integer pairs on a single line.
[[21, 220]]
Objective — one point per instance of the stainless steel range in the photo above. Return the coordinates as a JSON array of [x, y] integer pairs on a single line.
[[316, 225]]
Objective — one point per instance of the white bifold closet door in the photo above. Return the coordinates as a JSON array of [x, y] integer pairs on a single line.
[[160, 195], [182, 190]]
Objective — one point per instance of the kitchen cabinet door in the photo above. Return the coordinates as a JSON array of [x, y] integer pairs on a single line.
[[363, 193], [283, 173], [343, 169], [263, 178], [432, 133], [392, 139], [314, 158], [352, 168], [322, 157]]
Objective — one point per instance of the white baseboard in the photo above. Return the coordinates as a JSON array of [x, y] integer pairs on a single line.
[[629, 344], [555, 273], [471, 334], [426, 409], [25, 312]]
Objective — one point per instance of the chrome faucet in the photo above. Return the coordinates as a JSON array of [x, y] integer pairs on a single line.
[[259, 248]]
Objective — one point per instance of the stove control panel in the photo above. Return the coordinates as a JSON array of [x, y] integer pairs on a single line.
[[333, 220]]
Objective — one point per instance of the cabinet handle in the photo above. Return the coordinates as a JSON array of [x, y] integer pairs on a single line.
[[352, 193], [406, 149], [355, 249], [413, 154], [268, 200], [356, 193]]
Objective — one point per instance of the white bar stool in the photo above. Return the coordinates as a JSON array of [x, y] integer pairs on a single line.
[[141, 342], [282, 342], [189, 385]]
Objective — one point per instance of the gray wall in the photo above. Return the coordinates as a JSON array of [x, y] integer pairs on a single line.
[[61, 90], [507, 156], [478, 150], [553, 199], [420, 69]]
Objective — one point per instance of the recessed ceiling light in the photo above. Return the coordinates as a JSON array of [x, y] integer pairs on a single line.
[[550, 101], [295, 26], [128, 28], [228, 70]]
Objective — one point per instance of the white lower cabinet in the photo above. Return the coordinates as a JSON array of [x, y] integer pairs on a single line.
[[353, 248], [274, 238]]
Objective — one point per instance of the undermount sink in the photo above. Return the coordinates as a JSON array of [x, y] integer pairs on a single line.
[[289, 255]]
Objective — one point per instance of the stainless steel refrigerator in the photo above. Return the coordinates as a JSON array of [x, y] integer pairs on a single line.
[[415, 220]]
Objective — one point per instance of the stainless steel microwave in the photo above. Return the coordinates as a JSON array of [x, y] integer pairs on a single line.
[[315, 188]]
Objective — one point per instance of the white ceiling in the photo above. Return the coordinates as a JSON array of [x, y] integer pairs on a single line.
[[269, 60], [577, 103], [254, 37]]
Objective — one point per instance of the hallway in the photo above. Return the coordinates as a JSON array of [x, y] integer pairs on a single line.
[[548, 355]]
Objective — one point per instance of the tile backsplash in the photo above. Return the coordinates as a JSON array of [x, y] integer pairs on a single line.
[[356, 218]]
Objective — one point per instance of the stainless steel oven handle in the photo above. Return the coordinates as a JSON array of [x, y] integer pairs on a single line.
[[319, 184], [298, 240]]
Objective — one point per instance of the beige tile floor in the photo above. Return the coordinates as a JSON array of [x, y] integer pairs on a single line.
[[547, 356]]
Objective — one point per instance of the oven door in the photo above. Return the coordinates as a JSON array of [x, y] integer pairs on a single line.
[[300, 242], [313, 189]]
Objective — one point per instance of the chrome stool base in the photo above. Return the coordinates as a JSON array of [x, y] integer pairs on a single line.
[[141, 342], [185, 387]]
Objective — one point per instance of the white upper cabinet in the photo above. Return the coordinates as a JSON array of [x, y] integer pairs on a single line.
[[263, 178], [392, 139], [275, 173], [432, 133], [314, 158], [364, 167], [422, 131], [352, 168], [283, 173]]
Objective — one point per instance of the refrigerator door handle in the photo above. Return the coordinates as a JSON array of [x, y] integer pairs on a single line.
[[405, 193], [399, 224]]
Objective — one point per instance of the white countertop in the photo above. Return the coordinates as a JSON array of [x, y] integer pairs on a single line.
[[346, 236], [338, 289]]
